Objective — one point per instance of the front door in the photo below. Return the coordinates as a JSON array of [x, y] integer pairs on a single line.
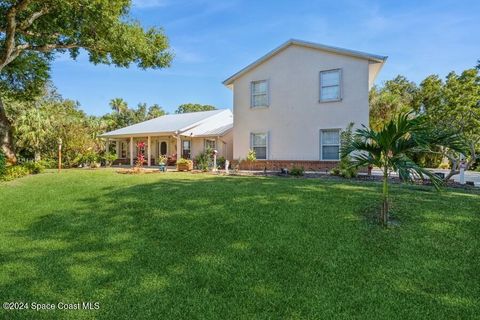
[[162, 148]]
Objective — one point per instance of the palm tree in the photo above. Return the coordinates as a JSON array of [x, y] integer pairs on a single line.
[[118, 105], [33, 128], [391, 148]]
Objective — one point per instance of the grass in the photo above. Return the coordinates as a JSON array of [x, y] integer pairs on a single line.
[[185, 246]]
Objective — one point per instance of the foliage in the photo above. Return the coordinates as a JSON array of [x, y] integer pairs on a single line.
[[297, 171], [444, 165], [221, 162], [391, 149], [204, 160], [140, 157], [3, 164], [34, 167], [108, 158], [396, 96], [14, 172], [183, 161], [345, 168], [455, 105], [162, 160], [33, 31], [251, 156], [194, 107]]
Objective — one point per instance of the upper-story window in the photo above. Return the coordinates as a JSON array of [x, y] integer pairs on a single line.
[[331, 85], [259, 94]]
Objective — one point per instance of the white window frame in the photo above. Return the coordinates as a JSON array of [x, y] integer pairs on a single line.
[[330, 145], [340, 85], [267, 142], [252, 94], [205, 144]]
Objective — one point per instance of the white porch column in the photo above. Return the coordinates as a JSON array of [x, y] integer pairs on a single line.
[[107, 145], [149, 153], [179, 147], [131, 151]]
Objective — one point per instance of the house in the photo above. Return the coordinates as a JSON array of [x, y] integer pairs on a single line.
[[291, 104], [191, 133]]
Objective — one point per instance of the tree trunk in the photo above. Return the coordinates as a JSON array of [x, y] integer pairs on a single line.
[[384, 212], [6, 136]]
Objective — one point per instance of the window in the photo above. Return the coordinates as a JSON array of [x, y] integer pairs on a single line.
[[123, 149], [330, 144], [210, 144], [330, 85], [186, 149], [259, 145], [259, 93]]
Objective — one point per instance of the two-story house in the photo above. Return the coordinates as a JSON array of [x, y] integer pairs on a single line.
[[291, 104]]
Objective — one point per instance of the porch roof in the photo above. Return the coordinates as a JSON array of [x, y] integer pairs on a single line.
[[209, 121]]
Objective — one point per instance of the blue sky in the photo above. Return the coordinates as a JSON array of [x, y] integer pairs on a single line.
[[213, 39]]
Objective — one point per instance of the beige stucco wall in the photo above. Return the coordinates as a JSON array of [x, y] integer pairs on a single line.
[[295, 115]]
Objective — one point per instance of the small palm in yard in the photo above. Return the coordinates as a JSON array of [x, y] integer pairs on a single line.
[[391, 148]]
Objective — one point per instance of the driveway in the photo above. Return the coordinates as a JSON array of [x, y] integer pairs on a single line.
[[469, 175]]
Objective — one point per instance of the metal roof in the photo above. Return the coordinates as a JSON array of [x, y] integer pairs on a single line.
[[318, 46], [174, 123]]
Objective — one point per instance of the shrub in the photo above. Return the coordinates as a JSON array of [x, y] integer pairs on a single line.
[[14, 172], [444, 165], [162, 160], [203, 160], [109, 158], [297, 172], [345, 167], [182, 161], [49, 163], [34, 167], [221, 162], [251, 155]]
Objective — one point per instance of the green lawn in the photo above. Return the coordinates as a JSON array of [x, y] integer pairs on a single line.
[[186, 246]]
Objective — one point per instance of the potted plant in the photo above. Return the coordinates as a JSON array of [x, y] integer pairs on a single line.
[[184, 164], [162, 162]]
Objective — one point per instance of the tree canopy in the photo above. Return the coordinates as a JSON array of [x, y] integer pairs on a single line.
[[194, 107], [31, 32]]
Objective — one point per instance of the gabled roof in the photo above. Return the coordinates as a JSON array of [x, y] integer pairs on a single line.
[[175, 123], [352, 53]]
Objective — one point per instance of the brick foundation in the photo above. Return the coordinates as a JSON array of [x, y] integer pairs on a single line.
[[277, 165]]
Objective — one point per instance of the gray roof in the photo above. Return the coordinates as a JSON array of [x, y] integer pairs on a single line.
[[170, 123], [348, 52], [204, 130]]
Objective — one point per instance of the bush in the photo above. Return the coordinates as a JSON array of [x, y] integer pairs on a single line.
[[221, 162], [14, 172], [444, 165], [34, 167], [344, 169], [49, 163], [203, 160], [297, 172], [109, 158], [183, 161]]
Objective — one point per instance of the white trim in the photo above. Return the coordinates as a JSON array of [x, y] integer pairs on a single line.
[[267, 142], [252, 95], [340, 86], [321, 145]]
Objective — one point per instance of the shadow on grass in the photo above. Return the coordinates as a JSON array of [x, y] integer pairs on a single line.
[[228, 247]]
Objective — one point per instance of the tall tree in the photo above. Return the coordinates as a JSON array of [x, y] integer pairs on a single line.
[[118, 105], [455, 105], [31, 31], [194, 107], [32, 130], [155, 111]]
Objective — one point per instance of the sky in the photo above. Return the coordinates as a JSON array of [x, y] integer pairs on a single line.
[[213, 39]]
